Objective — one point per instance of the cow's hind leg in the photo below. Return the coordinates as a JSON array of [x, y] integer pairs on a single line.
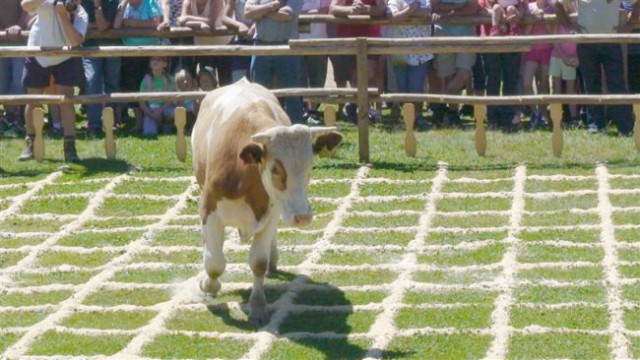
[[213, 258], [259, 262]]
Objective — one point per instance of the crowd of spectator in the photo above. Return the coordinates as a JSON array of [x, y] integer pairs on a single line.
[[546, 68]]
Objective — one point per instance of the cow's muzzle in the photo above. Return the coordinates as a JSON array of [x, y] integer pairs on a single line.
[[302, 219]]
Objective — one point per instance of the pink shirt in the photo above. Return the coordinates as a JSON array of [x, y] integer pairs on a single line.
[[568, 49]]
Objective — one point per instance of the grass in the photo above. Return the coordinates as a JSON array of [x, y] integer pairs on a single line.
[[459, 239]]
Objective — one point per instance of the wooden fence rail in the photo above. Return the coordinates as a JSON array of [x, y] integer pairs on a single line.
[[361, 48]]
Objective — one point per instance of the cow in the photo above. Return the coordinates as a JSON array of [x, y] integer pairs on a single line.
[[253, 168]]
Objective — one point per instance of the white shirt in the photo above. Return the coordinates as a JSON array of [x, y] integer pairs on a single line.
[[47, 31]]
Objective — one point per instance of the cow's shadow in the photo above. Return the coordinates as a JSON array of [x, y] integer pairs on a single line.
[[308, 322]]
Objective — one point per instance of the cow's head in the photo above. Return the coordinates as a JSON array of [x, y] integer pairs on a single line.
[[285, 157]]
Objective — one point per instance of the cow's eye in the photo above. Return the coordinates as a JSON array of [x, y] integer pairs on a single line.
[[275, 170]]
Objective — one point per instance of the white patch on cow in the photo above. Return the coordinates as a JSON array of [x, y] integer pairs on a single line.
[[236, 213]]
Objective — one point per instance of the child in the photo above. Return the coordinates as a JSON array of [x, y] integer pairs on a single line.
[[155, 113], [536, 61], [563, 65], [207, 78], [502, 12], [184, 82]]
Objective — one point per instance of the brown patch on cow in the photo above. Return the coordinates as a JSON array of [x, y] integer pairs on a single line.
[[328, 141], [279, 175], [219, 169]]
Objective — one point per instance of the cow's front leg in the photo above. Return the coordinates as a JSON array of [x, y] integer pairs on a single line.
[[273, 258], [259, 262], [213, 258]]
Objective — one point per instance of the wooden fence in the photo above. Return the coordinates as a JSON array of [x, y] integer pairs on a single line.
[[360, 48]]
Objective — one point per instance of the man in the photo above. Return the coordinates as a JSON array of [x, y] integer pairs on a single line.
[[54, 26], [276, 23], [102, 73], [345, 66], [602, 17], [12, 20]]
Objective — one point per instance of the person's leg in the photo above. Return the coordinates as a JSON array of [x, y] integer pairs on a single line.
[[67, 112], [493, 66], [622, 115], [93, 68], [509, 73], [112, 75], [591, 78], [261, 71], [286, 71]]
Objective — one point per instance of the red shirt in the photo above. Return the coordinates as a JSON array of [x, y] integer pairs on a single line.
[[351, 30]]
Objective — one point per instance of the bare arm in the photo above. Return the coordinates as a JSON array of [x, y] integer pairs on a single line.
[[101, 22], [257, 12], [283, 14], [118, 22], [339, 9], [632, 19], [75, 38], [563, 18]]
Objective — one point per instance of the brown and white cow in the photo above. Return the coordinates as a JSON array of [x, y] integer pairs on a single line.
[[253, 167]]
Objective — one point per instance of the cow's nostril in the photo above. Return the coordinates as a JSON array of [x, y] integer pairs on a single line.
[[302, 219]]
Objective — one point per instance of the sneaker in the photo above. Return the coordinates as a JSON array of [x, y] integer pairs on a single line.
[[70, 153], [350, 113], [539, 122], [467, 111], [374, 115], [27, 154], [573, 123], [312, 118], [593, 129], [495, 31]]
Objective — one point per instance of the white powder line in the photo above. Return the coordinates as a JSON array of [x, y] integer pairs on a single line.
[[19, 201], [500, 317], [286, 301], [383, 329], [619, 343], [23, 345]]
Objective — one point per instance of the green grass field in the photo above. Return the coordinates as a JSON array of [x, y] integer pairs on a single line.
[[515, 255]]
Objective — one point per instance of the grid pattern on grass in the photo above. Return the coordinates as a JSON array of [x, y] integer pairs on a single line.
[[509, 265]]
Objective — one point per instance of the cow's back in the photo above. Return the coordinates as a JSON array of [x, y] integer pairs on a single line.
[[227, 118]]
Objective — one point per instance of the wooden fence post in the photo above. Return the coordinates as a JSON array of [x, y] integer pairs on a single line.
[[180, 118], [330, 115], [363, 99], [38, 142], [107, 126], [409, 116], [556, 136], [480, 114]]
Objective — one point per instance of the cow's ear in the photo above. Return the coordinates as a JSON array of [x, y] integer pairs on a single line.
[[325, 144], [251, 154]]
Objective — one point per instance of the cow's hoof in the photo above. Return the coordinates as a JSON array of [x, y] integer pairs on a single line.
[[272, 271], [258, 317], [209, 286]]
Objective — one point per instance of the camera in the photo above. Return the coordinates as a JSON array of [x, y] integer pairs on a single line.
[[69, 5]]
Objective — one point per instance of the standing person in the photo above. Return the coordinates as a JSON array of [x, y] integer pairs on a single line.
[[602, 17], [277, 23], [207, 15], [562, 68], [102, 74], [633, 54], [136, 14], [12, 20], [536, 63], [503, 71], [347, 63], [410, 69], [233, 18], [54, 26], [313, 72], [453, 69]]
